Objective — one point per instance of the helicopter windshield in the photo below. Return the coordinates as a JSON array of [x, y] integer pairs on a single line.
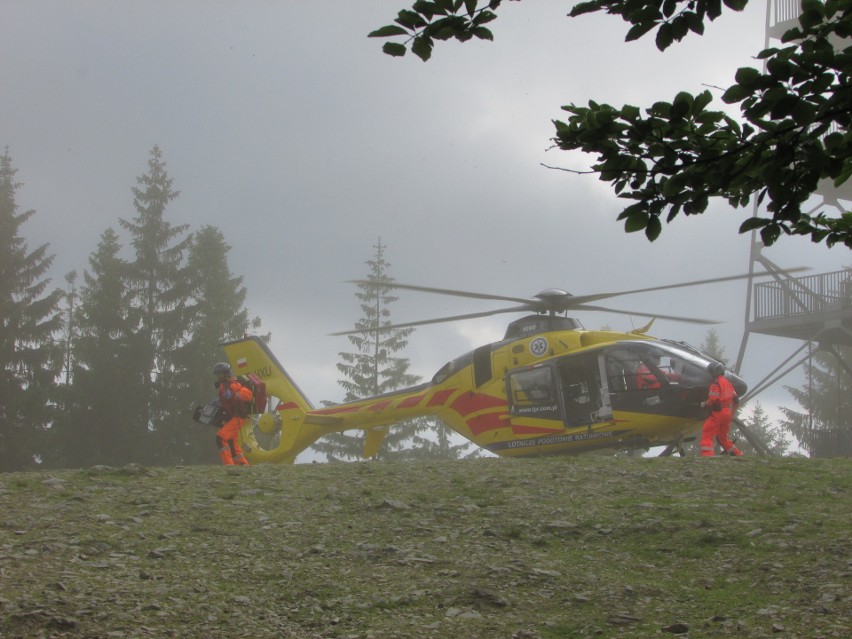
[[650, 365]]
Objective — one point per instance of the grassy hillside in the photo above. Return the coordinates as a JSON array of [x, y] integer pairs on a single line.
[[571, 547]]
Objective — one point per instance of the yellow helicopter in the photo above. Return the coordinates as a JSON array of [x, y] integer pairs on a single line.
[[549, 387]]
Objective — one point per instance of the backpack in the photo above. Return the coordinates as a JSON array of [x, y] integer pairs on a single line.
[[258, 391], [210, 415]]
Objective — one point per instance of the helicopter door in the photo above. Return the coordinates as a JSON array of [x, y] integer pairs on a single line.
[[533, 393], [585, 393]]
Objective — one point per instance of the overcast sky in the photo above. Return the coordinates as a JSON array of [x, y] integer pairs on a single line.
[[282, 124]]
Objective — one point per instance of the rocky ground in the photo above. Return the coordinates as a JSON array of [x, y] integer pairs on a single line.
[[545, 548]]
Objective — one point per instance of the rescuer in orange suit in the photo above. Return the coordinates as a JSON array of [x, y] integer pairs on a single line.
[[722, 400], [646, 379], [234, 399]]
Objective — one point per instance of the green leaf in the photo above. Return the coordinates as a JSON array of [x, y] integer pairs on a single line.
[[483, 33], [695, 22], [470, 7], [484, 18], [660, 109], [673, 212], [701, 101], [753, 223], [665, 36], [736, 93], [586, 7], [630, 112], [840, 179], [833, 141], [714, 9], [387, 31], [810, 19], [422, 47], [426, 8], [410, 19], [636, 222], [685, 98], [637, 31], [394, 48], [770, 233], [747, 76], [784, 107], [653, 228], [680, 27], [736, 5], [814, 5]]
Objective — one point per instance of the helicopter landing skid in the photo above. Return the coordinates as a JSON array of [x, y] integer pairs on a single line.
[[676, 445]]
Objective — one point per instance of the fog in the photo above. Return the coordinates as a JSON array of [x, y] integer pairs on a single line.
[[283, 125]]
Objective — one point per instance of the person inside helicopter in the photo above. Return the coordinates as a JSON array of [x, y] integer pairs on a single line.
[[650, 372]]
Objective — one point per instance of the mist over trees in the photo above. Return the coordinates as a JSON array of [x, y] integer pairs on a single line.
[[108, 370]]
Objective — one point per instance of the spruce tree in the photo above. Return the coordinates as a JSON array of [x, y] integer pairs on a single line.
[[372, 368], [823, 426], [29, 318], [159, 286], [770, 435], [104, 422], [712, 346], [215, 313]]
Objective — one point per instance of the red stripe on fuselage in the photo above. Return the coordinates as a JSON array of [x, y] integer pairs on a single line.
[[440, 398], [410, 402], [472, 402], [483, 423]]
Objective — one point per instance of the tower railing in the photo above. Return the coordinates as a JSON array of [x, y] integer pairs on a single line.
[[801, 296]]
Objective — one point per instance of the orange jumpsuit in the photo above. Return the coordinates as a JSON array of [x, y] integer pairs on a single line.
[[720, 398], [233, 397], [645, 378]]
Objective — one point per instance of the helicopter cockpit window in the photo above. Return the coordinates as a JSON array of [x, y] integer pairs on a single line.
[[648, 367], [532, 393]]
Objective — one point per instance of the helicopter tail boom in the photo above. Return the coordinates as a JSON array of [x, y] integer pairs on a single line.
[[252, 355]]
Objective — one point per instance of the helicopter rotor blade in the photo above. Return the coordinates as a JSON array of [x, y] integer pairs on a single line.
[[448, 291], [581, 299], [676, 318], [437, 320], [550, 300]]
